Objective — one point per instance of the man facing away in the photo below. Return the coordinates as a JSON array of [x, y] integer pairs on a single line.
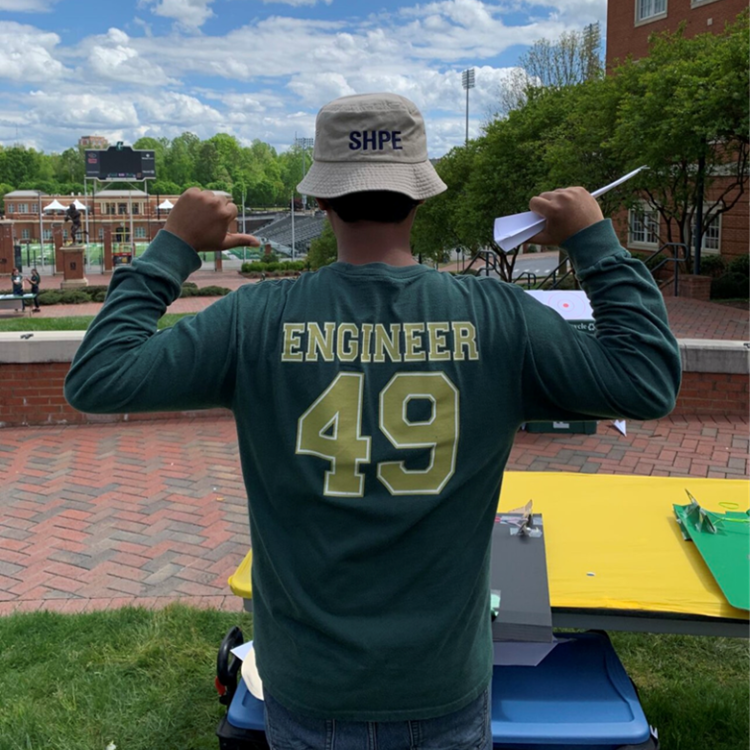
[[376, 403]]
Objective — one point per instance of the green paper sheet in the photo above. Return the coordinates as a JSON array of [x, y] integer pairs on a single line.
[[723, 540]]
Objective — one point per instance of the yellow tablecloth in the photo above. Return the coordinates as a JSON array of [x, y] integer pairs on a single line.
[[612, 542], [622, 530]]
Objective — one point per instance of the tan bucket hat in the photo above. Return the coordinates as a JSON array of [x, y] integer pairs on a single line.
[[371, 142]]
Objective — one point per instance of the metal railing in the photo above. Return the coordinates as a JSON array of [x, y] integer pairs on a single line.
[[675, 258], [553, 276], [529, 275]]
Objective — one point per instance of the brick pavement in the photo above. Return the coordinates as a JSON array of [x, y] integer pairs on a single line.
[[688, 318], [100, 516]]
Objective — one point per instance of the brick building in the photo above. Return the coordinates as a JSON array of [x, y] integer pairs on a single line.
[[93, 141], [630, 23], [114, 217], [108, 208]]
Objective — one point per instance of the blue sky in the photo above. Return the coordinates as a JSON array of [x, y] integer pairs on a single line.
[[255, 68]]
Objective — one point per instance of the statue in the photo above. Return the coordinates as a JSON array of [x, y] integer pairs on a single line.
[[74, 215]]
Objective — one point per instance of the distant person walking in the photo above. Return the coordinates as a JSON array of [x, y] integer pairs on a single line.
[[35, 280]]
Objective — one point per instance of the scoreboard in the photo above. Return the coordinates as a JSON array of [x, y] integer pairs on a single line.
[[120, 163]]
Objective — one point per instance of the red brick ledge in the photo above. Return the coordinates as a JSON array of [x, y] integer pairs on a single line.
[[716, 377]]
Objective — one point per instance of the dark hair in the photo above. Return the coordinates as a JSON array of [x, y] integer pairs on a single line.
[[383, 206]]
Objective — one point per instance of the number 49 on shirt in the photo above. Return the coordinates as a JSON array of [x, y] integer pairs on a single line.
[[331, 429]]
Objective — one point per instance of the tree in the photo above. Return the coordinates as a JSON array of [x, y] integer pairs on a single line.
[[445, 222], [323, 249], [164, 187], [180, 159], [159, 146], [573, 58], [18, 164], [683, 112], [4, 189]]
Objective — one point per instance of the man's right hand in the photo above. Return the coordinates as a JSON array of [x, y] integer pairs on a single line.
[[201, 219], [567, 212]]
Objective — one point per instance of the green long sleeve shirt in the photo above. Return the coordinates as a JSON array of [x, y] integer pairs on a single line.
[[376, 407]]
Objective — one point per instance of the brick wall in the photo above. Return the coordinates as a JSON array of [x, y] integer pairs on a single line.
[[734, 228], [625, 37], [713, 393], [32, 394]]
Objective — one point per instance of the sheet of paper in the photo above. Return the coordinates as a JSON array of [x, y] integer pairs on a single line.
[[621, 426], [242, 651], [512, 231]]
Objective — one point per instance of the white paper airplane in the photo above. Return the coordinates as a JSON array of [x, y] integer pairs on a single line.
[[512, 231]]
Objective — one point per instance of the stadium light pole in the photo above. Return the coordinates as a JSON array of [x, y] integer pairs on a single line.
[[468, 82], [303, 144]]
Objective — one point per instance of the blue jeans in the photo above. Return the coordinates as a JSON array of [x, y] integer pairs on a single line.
[[466, 729]]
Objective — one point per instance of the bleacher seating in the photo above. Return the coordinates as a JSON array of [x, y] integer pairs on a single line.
[[306, 229]]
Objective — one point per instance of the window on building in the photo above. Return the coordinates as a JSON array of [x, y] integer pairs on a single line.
[[711, 242], [101, 233], [122, 208], [25, 234], [140, 233], [65, 234], [646, 9], [10, 208], [47, 234], [136, 208], [23, 208], [110, 209], [643, 226]]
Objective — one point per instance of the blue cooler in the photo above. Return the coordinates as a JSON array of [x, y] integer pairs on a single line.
[[578, 697]]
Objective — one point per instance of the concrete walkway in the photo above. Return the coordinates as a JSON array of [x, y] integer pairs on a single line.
[[100, 516]]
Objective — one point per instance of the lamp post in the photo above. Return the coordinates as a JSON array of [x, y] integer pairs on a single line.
[[303, 144], [467, 81]]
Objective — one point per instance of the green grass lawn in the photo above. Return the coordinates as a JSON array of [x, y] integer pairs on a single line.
[[73, 323], [144, 680]]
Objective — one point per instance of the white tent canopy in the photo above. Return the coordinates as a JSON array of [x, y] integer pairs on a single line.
[[165, 206], [55, 206], [80, 206]]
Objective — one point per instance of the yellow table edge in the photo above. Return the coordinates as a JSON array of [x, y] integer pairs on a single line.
[[612, 541]]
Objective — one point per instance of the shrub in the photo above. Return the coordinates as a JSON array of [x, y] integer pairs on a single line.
[[100, 297], [94, 290], [730, 286], [188, 291], [51, 297], [212, 291], [190, 284], [712, 265], [740, 265], [74, 297], [254, 267]]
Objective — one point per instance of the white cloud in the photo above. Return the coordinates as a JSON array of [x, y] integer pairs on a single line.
[[82, 110], [171, 108], [282, 69], [189, 14], [26, 53], [297, 3], [114, 59], [27, 6]]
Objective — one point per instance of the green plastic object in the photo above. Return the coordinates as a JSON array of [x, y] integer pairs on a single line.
[[723, 540]]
